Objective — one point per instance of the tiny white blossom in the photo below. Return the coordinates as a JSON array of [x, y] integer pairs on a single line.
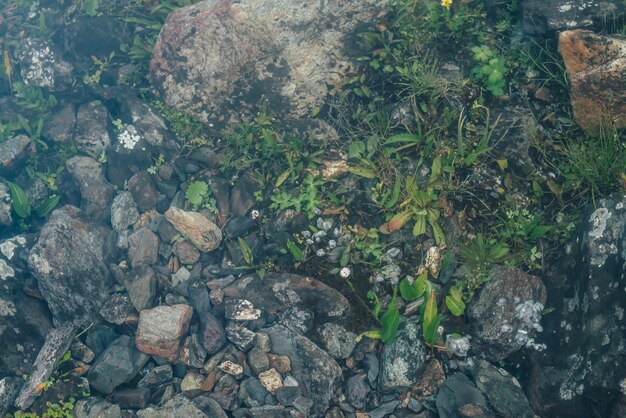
[[345, 272]]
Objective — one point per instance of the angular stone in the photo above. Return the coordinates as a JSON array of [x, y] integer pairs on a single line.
[[271, 380], [118, 364], [258, 360], [403, 359], [239, 335], [92, 136], [186, 252], [252, 393], [68, 262], [358, 391], [9, 388], [156, 377], [231, 368], [117, 309], [191, 385], [143, 247], [143, 190], [596, 67], [42, 65], [60, 128], [213, 334], [282, 364], [210, 407], [160, 330], [96, 408], [203, 233], [240, 310], [545, 16], [141, 287], [457, 392], [13, 152], [287, 395], [193, 353], [124, 211], [132, 398], [180, 277], [179, 406], [338, 341], [314, 368], [95, 191]]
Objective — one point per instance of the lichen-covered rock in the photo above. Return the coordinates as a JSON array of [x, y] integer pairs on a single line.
[[124, 211], [179, 406], [403, 359], [96, 192], [281, 53], [68, 263], [43, 66], [596, 67], [582, 371], [60, 127], [203, 233], [506, 312], [96, 407], [13, 152], [542, 16], [92, 136], [6, 217]]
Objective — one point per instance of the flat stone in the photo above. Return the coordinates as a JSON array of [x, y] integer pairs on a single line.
[[9, 388], [95, 190], [180, 277], [192, 352], [186, 252], [258, 360], [140, 284], [124, 211], [240, 336], [231, 368], [240, 310], [403, 359], [13, 152], [160, 330], [204, 234], [191, 385], [213, 334], [271, 380], [287, 395], [179, 406], [156, 377], [457, 392], [144, 191], [96, 408], [132, 398], [143, 247], [338, 341], [252, 392], [92, 136], [282, 364], [357, 391]]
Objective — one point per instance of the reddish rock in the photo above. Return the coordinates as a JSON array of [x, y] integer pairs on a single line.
[[203, 233], [596, 66], [160, 330]]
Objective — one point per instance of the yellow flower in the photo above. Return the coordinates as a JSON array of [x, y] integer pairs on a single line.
[[446, 3]]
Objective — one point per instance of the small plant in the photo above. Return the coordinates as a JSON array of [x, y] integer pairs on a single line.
[[199, 195], [477, 257], [101, 65], [490, 70], [158, 162], [55, 410]]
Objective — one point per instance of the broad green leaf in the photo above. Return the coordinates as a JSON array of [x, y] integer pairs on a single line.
[[91, 7], [295, 251], [390, 321], [345, 256], [245, 250], [431, 333], [47, 206], [261, 273], [420, 225], [440, 238], [430, 311], [21, 205], [362, 172], [281, 179], [395, 194], [435, 170], [403, 138], [421, 284], [407, 291], [374, 334], [454, 302], [377, 305]]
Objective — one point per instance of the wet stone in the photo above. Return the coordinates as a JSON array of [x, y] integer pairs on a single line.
[[156, 377], [13, 151], [143, 190], [95, 191], [213, 334], [193, 353], [124, 211], [186, 252], [240, 310], [117, 308], [96, 407], [118, 364], [297, 319], [161, 329], [204, 234], [92, 136], [258, 360], [191, 385], [240, 336], [357, 391], [271, 380], [143, 247], [338, 341], [60, 128], [287, 395], [402, 360], [132, 398], [252, 393]]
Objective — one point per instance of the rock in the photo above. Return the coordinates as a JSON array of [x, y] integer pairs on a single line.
[[13, 152], [511, 138], [430, 381], [141, 287], [180, 277], [505, 312], [581, 371], [287, 395], [6, 208], [338, 341], [191, 386], [502, 390], [240, 310], [203, 233], [384, 410], [118, 364], [252, 393], [543, 16], [240, 336], [372, 367], [210, 407], [271, 380], [282, 364], [144, 191], [262, 342], [258, 360], [193, 353], [61, 126], [179, 406], [186, 252], [199, 298], [42, 65], [231, 368], [143, 247], [213, 334], [303, 405], [9, 388], [269, 411], [117, 309], [95, 190], [99, 337], [279, 291], [124, 211], [160, 330], [156, 377], [68, 263], [91, 135], [457, 392], [225, 392], [265, 62], [314, 368], [96, 408], [596, 68], [297, 319], [132, 398], [357, 391], [402, 361]]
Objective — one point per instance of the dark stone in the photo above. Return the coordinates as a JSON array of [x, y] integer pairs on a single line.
[[96, 407], [132, 398], [117, 308], [384, 410], [456, 392], [239, 226], [240, 336], [220, 188], [310, 365], [193, 352], [61, 126], [511, 139], [505, 312], [69, 266], [213, 334], [357, 391], [118, 364], [92, 136], [252, 393], [9, 388], [502, 390], [199, 298], [338, 341], [99, 337], [179, 406], [144, 191], [143, 247], [41, 65], [372, 367], [124, 211], [186, 252], [297, 319], [242, 195], [402, 360], [95, 190], [141, 287], [156, 377], [544, 16], [287, 395], [225, 392], [210, 407], [13, 152], [6, 208], [258, 360], [269, 411]]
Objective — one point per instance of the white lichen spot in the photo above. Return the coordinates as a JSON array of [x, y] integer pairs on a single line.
[[7, 308], [606, 339], [622, 386], [7, 249], [598, 220], [129, 137], [6, 271]]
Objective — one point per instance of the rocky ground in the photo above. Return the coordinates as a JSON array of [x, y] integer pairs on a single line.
[[152, 265]]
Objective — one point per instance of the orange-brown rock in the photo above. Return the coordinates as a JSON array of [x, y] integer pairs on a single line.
[[161, 329], [596, 66]]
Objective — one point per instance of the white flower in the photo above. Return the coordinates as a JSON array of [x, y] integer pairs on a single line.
[[345, 272]]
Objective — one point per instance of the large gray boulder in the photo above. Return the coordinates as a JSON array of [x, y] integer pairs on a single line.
[[69, 265], [541, 16], [582, 371], [218, 59]]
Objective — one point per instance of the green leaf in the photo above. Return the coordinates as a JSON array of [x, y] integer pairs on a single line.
[[395, 194], [196, 193], [91, 7], [362, 172], [420, 225], [345, 256], [403, 138], [407, 291], [281, 179], [430, 311], [454, 301], [356, 150], [261, 273], [246, 251], [374, 334], [295, 251], [21, 205], [431, 333], [440, 238], [421, 284], [47, 206], [390, 321]]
